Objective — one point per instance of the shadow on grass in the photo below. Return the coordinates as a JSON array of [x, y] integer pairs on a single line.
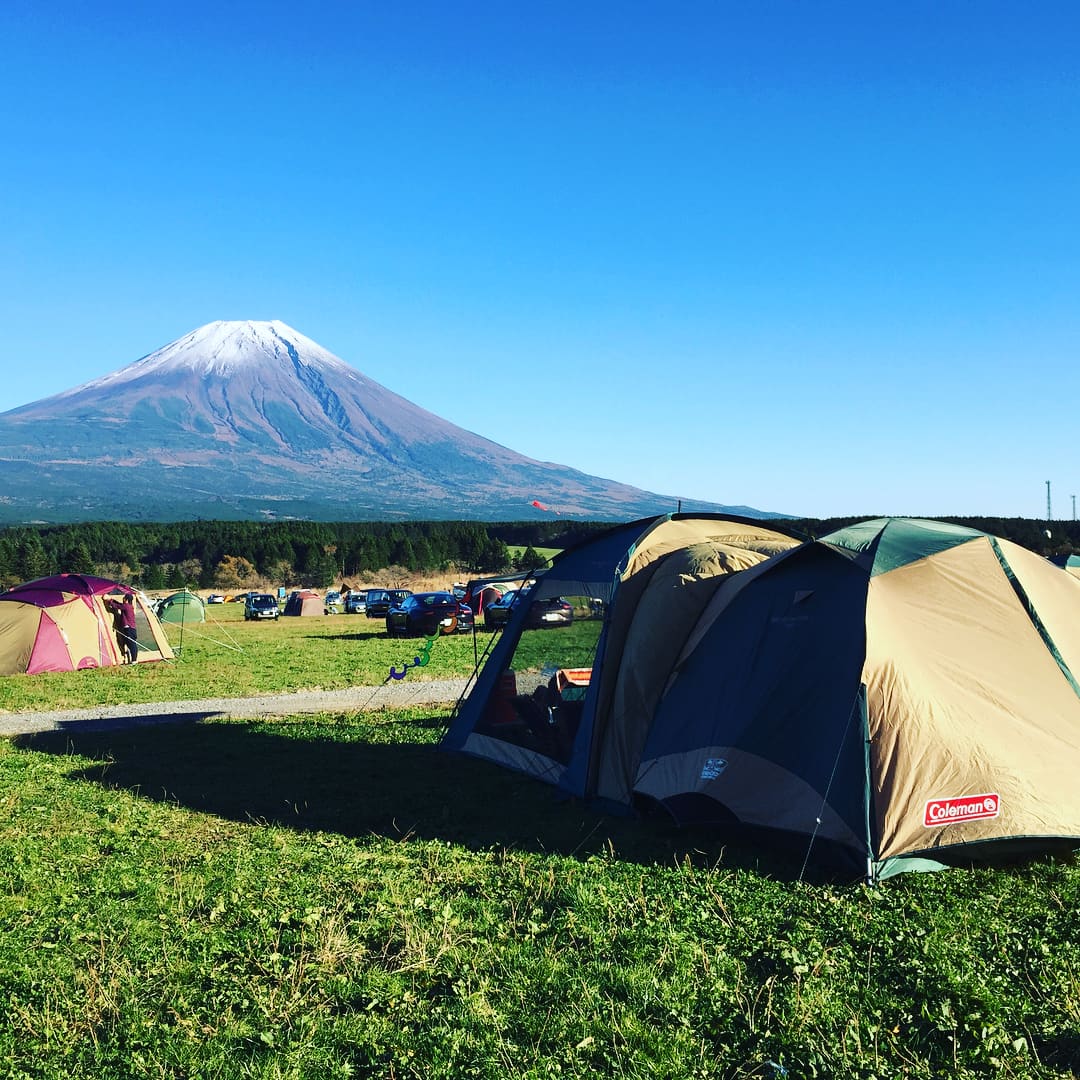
[[245, 772]]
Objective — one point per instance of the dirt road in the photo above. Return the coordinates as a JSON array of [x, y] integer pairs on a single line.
[[393, 693]]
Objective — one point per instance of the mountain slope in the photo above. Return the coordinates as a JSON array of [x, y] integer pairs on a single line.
[[253, 419]]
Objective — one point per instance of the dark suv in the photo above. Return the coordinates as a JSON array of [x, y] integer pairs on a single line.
[[260, 606], [379, 601]]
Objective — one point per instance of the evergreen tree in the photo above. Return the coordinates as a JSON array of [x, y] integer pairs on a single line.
[[472, 550], [423, 558], [281, 571], [529, 559], [154, 577], [7, 564], [324, 571], [79, 559], [30, 559], [403, 554], [495, 556]]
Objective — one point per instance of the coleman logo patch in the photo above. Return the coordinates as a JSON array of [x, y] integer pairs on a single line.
[[965, 808]]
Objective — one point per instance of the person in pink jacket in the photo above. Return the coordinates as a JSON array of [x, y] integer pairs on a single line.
[[123, 613]]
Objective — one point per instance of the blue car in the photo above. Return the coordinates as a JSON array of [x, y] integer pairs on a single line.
[[428, 614]]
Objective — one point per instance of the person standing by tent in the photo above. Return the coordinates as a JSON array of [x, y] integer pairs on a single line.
[[123, 612]]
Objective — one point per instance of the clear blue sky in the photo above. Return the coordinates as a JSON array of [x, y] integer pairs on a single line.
[[815, 258]]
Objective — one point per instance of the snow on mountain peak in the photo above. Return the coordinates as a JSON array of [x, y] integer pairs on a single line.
[[225, 348]]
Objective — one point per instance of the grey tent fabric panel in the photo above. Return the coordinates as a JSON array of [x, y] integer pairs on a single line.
[[586, 570]]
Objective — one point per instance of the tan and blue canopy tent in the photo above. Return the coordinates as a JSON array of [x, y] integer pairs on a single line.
[[636, 590], [902, 693], [61, 623]]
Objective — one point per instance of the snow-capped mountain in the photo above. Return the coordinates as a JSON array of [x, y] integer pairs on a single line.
[[225, 349], [253, 420]]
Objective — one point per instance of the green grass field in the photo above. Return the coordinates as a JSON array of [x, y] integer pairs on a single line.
[[228, 657], [331, 896]]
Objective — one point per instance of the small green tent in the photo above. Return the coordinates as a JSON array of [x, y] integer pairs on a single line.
[[181, 607]]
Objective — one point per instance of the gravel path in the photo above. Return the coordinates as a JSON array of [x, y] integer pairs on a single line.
[[393, 693]]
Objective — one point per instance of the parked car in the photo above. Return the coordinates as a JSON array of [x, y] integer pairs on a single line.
[[428, 614], [379, 601], [261, 606], [550, 612], [215, 598], [497, 612], [332, 603], [356, 603]]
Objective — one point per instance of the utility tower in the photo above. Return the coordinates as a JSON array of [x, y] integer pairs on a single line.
[[1048, 514], [1074, 507]]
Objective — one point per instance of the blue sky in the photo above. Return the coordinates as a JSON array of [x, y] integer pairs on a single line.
[[817, 258]]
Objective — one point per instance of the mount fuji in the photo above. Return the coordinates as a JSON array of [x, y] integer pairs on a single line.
[[253, 420]]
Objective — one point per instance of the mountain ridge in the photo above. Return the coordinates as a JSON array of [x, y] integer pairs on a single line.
[[254, 420]]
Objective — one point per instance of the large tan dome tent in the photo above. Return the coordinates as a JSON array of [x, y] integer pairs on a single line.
[[1069, 563], [901, 694], [905, 690], [61, 623]]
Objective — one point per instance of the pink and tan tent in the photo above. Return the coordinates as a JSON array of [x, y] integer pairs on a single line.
[[61, 623]]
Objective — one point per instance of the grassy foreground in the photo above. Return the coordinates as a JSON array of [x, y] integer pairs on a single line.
[[333, 897]]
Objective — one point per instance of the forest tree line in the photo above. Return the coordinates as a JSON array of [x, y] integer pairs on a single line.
[[231, 554]]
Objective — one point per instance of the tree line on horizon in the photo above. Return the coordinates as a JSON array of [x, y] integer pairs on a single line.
[[228, 554]]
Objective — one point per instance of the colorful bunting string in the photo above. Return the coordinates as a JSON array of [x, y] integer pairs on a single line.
[[417, 661]]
